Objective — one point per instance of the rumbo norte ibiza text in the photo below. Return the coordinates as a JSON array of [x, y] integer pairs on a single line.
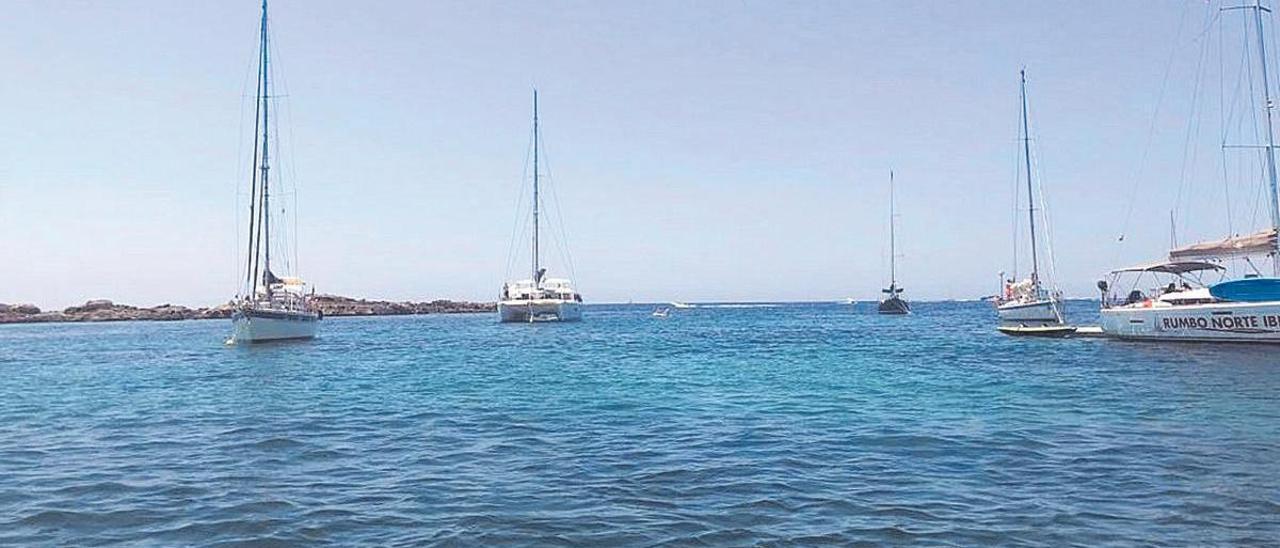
[[1266, 321]]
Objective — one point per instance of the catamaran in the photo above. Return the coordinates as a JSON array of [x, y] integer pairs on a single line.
[[893, 302], [1029, 303], [270, 308], [538, 299], [1192, 295]]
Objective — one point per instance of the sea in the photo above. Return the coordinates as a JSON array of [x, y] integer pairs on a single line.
[[801, 424]]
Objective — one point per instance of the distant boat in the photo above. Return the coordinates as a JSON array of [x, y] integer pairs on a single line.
[[1029, 302], [893, 302], [270, 308], [661, 312], [1189, 296], [538, 299], [680, 305]]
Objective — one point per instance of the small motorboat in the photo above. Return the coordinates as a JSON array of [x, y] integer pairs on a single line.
[[661, 312]]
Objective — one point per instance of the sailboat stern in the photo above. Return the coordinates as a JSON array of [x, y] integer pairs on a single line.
[[537, 311]]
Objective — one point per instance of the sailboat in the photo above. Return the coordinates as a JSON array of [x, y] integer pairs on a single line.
[[538, 298], [1029, 303], [893, 302], [1189, 296], [271, 307]]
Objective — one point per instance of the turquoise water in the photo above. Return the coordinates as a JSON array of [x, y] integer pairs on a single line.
[[800, 424]]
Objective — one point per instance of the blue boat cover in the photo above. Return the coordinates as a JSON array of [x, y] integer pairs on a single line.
[[1249, 290]]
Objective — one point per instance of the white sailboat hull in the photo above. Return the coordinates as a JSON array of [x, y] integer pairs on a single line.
[[254, 328], [541, 310], [1214, 322], [1044, 311]]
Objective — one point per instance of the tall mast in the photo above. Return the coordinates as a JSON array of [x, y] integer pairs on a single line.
[[1271, 143], [536, 279], [893, 255], [1031, 197], [265, 241], [251, 266]]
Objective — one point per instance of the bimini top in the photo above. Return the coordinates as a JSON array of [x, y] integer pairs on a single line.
[[1172, 267], [1258, 243]]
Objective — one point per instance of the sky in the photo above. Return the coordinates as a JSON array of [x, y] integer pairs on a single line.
[[699, 151]]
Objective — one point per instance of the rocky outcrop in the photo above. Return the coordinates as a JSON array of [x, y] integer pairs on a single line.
[[333, 305], [102, 310]]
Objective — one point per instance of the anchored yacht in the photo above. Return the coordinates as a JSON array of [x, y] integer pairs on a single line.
[[1222, 290], [893, 302], [270, 308], [1029, 303], [538, 298]]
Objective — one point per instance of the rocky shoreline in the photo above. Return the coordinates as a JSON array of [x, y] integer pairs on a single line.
[[103, 310]]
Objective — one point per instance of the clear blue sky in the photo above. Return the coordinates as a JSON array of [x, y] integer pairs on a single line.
[[727, 150]]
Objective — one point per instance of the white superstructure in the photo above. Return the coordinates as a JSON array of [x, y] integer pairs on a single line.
[[528, 301]]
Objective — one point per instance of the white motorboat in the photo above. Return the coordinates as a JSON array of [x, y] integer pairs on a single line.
[[1029, 302], [1215, 291], [538, 298], [1190, 300], [270, 308]]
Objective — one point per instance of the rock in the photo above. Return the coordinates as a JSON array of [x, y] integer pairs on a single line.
[[88, 307], [102, 310], [333, 305], [18, 309], [221, 311]]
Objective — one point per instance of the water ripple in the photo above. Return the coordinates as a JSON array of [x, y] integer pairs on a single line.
[[798, 425]]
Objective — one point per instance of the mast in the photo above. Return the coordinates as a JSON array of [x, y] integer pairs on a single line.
[[537, 280], [893, 255], [1031, 198], [1271, 143], [265, 240], [251, 255]]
